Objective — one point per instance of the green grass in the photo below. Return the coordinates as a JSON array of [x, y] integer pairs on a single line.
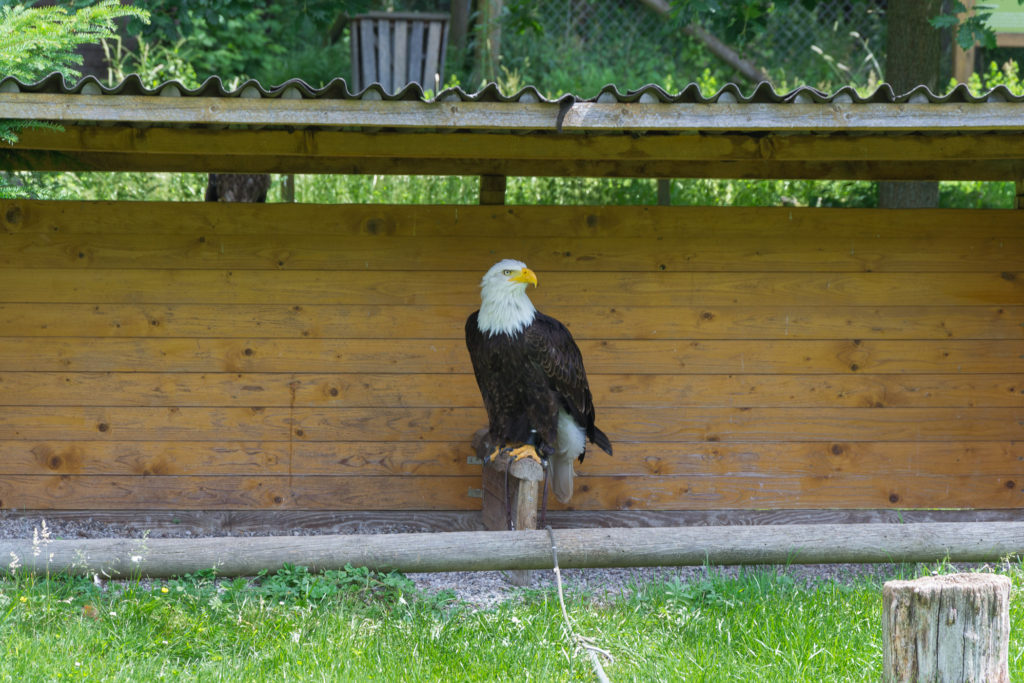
[[359, 625]]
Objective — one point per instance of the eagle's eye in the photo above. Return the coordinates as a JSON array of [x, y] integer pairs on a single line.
[[506, 272]]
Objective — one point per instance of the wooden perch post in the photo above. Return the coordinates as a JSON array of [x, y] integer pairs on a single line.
[[952, 628], [511, 493]]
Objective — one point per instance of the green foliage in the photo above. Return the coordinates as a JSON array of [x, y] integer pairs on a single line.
[[119, 186], [37, 40], [1009, 75], [386, 189], [566, 63], [239, 39], [973, 28], [298, 585], [380, 189], [152, 63]]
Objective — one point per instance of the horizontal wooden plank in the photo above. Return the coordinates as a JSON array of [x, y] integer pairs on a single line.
[[347, 458], [471, 115], [46, 285], [447, 322], [220, 457], [354, 237], [705, 253], [336, 145], [71, 218], [443, 356], [176, 523], [72, 492], [643, 425], [957, 156], [460, 390]]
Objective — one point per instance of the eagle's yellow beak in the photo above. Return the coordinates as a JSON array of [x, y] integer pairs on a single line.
[[525, 275]]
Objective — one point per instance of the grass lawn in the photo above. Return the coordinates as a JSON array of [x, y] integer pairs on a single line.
[[358, 625]]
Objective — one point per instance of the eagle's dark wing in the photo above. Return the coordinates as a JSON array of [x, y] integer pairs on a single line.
[[552, 347], [474, 343], [237, 187]]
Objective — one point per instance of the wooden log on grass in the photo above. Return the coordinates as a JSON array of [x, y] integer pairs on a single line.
[[953, 628], [489, 550]]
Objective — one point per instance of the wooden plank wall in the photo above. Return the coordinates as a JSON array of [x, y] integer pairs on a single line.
[[245, 357]]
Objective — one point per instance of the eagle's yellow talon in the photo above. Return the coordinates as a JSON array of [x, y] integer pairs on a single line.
[[524, 451], [498, 450]]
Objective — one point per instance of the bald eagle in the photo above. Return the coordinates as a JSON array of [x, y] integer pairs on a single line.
[[531, 377]]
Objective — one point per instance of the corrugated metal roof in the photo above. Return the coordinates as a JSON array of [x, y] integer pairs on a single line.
[[763, 93]]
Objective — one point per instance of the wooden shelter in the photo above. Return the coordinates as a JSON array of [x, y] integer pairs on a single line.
[[305, 363]]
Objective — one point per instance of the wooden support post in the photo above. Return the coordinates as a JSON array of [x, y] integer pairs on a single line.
[[664, 192], [511, 493], [1019, 194], [963, 60], [288, 188], [492, 189], [946, 628]]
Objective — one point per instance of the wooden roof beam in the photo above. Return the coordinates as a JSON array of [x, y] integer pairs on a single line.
[[507, 146], [977, 156]]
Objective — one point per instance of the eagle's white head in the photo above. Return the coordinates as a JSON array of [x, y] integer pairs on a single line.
[[504, 306]]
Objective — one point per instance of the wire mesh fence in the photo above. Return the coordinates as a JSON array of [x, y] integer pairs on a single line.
[[826, 44], [582, 45], [839, 42]]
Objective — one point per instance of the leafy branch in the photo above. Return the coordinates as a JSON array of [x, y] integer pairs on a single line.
[[974, 28], [37, 40]]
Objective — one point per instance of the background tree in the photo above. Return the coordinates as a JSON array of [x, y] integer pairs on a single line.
[[913, 49]]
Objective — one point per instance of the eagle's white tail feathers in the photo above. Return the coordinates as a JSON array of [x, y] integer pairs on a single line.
[[561, 476], [572, 439]]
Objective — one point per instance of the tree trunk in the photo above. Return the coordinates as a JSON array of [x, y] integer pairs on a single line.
[[460, 24], [488, 45], [946, 628], [913, 47]]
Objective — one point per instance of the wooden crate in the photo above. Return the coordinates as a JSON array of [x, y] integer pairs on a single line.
[[395, 49]]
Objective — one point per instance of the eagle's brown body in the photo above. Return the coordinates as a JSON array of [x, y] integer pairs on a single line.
[[237, 187], [525, 378]]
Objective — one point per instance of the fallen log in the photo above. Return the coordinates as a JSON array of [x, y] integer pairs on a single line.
[[488, 550]]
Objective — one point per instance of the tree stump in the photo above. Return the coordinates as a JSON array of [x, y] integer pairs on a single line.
[[511, 492], [947, 628]]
